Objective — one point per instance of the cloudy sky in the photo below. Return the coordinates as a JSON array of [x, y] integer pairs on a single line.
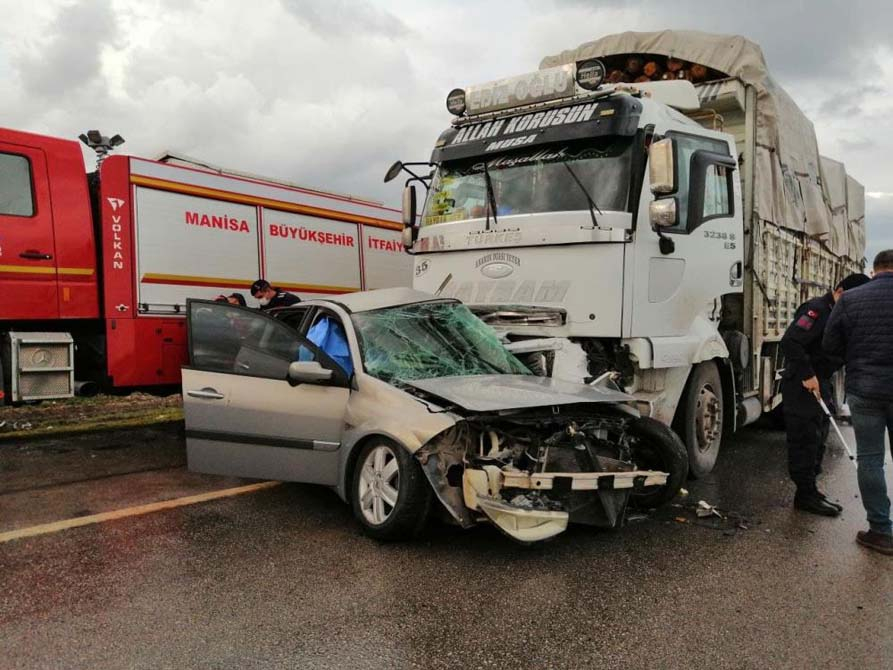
[[327, 93]]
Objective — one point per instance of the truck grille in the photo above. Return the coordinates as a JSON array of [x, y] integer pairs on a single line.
[[44, 355], [44, 385]]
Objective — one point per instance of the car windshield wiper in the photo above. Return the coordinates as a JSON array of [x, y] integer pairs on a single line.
[[593, 206], [491, 196]]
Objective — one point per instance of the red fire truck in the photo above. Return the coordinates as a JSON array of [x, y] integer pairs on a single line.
[[95, 269]]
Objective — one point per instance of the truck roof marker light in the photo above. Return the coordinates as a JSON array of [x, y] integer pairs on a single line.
[[455, 102], [590, 74]]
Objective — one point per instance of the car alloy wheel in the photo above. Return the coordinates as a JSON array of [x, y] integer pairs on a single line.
[[379, 484]]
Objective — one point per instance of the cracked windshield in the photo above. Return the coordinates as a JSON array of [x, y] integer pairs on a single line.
[[438, 339], [534, 180]]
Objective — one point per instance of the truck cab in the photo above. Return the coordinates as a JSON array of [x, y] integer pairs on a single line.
[[598, 230], [47, 252]]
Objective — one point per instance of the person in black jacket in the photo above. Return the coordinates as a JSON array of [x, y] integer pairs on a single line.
[[861, 331], [807, 375], [270, 296]]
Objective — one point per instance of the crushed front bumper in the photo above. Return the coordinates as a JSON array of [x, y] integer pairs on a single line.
[[595, 498]]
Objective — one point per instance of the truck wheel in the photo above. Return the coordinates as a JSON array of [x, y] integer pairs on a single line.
[[390, 495], [656, 447], [699, 418]]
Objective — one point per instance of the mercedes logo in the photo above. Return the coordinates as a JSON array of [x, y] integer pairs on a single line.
[[41, 357]]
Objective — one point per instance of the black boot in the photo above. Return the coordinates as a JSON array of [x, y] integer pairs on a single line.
[[813, 503], [834, 504]]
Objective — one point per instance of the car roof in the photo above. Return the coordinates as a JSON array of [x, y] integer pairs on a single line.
[[365, 301]]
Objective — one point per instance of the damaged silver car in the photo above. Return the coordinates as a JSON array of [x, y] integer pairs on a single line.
[[407, 404]]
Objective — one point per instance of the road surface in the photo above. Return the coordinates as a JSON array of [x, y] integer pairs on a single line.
[[282, 578]]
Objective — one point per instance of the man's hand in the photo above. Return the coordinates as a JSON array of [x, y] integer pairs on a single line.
[[812, 385]]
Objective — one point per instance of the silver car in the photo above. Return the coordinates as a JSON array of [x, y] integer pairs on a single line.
[[406, 404]]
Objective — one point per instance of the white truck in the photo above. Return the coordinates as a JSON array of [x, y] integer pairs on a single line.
[[662, 230]]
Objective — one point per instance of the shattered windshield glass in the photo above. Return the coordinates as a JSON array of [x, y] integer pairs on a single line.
[[435, 339], [534, 180]]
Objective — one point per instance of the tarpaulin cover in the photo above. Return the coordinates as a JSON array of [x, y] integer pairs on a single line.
[[835, 185], [788, 188], [855, 205]]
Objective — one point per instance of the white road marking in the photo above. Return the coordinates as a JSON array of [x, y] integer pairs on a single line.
[[138, 510]]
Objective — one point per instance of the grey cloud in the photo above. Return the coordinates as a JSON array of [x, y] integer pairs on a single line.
[[878, 224], [327, 94], [69, 57], [858, 144], [345, 18]]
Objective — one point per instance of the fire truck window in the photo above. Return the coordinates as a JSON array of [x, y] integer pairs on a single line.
[[16, 193]]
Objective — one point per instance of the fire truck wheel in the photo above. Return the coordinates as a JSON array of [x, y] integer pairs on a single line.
[[699, 418], [656, 447], [390, 494]]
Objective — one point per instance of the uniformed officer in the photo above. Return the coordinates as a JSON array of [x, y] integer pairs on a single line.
[[270, 296], [807, 373]]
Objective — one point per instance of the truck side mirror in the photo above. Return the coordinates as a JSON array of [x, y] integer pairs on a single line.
[[393, 171], [409, 216], [409, 205], [662, 213], [408, 239], [662, 166]]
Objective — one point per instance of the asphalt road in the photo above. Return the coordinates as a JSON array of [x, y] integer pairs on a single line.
[[283, 578]]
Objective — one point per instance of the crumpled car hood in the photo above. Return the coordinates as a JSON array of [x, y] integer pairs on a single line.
[[494, 393]]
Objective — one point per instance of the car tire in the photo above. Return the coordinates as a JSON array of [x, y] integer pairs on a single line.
[[382, 514], [699, 418], [656, 447]]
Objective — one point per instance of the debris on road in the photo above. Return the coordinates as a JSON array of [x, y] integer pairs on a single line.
[[706, 515], [705, 509]]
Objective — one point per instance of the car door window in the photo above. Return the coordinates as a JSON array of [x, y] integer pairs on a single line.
[[293, 316], [238, 340], [327, 332]]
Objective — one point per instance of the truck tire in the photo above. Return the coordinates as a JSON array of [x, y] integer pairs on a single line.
[[699, 418], [390, 494], [656, 447]]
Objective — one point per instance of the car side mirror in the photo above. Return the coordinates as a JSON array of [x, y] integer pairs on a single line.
[[409, 205], [662, 166], [307, 372]]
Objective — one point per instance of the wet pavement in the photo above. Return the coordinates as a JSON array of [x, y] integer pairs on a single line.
[[283, 578]]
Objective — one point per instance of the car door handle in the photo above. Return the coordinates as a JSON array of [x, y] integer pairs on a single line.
[[34, 255], [206, 393]]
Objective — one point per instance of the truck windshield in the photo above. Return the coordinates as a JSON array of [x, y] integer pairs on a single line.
[[426, 340], [534, 180]]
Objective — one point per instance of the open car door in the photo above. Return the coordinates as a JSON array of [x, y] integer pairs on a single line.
[[244, 417]]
